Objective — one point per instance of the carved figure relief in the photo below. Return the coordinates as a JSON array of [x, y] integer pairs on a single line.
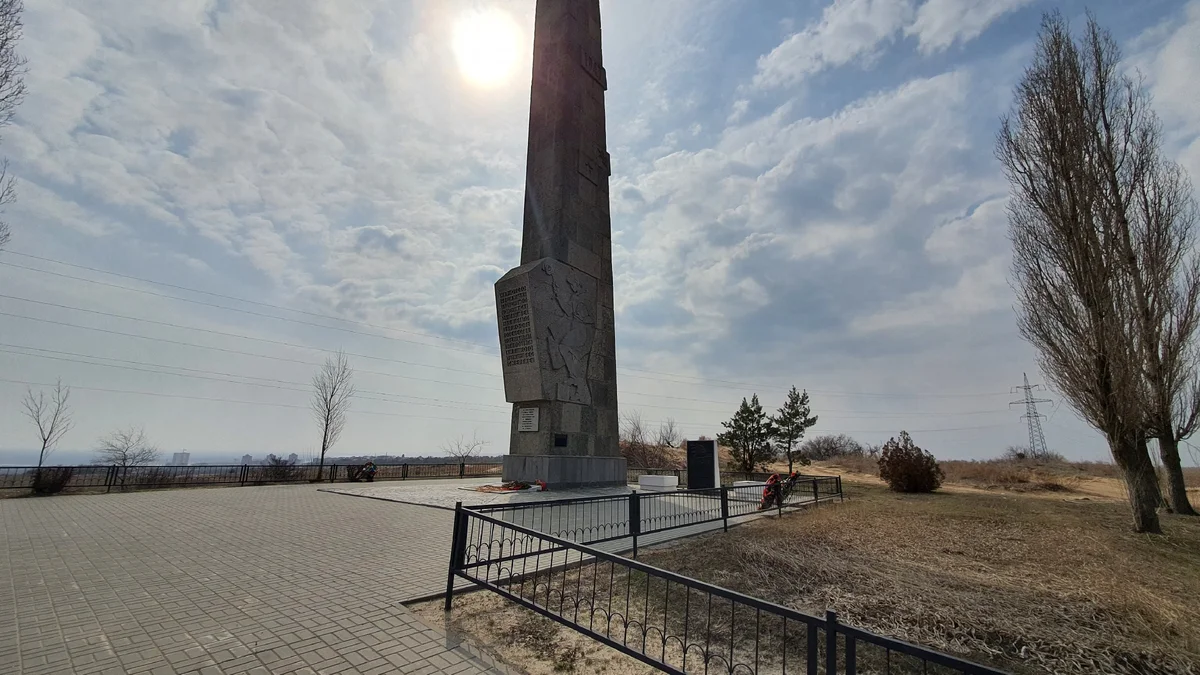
[[570, 333]]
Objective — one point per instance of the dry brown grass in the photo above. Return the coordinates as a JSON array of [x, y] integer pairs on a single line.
[[1028, 585], [1099, 478], [1031, 585]]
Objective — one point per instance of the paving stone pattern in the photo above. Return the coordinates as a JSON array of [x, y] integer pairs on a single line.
[[251, 580]]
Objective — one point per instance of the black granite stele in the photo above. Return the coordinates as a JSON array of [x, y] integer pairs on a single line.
[[555, 310]]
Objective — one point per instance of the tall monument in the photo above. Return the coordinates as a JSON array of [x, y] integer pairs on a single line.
[[556, 310]]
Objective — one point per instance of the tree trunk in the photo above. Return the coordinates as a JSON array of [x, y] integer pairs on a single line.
[[1168, 449], [1140, 480]]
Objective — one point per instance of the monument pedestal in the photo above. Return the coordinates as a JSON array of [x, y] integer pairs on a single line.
[[566, 471]]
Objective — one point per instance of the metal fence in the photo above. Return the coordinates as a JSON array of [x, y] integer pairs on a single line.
[[671, 622], [727, 477], [596, 520], [124, 478]]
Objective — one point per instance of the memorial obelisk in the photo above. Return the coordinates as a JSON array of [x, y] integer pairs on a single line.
[[555, 311]]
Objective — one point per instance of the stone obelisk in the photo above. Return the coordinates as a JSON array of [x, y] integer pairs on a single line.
[[556, 310]]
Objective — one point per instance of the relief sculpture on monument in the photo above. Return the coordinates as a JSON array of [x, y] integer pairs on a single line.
[[570, 332]]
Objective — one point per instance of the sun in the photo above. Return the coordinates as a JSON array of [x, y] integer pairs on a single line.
[[487, 47]]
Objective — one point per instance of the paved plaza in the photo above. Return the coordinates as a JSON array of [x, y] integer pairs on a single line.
[[278, 579]]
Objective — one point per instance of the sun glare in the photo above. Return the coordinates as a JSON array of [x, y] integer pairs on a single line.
[[487, 46]]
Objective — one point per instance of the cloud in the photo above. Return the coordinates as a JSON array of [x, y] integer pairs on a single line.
[[327, 157], [860, 31], [940, 24], [1167, 56], [979, 290], [848, 30]]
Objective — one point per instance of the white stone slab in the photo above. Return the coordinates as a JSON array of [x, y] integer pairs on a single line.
[[658, 483]]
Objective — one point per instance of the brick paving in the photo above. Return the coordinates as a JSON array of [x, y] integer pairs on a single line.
[[252, 580]]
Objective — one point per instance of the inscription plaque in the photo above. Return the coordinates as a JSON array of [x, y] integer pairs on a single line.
[[516, 331], [527, 419]]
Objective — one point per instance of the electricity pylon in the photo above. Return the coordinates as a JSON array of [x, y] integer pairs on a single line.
[[1037, 439]]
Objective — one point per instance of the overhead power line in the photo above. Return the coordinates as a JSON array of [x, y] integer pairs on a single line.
[[506, 422], [291, 385], [211, 331], [488, 348], [300, 387], [211, 294], [284, 359], [156, 394], [231, 351]]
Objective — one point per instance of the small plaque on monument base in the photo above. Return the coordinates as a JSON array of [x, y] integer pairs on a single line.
[[527, 419]]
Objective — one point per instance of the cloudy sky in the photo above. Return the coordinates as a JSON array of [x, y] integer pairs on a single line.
[[214, 193]]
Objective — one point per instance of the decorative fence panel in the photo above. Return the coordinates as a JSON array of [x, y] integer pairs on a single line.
[[671, 622], [598, 520]]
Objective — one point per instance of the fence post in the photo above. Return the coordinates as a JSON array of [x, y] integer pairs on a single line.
[[635, 519], [244, 474], [830, 642], [462, 469], [725, 507], [404, 471], [458, 542], [841, 494], [816, 493], [110, 478]]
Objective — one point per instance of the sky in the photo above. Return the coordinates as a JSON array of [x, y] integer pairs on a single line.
[[214, 195]]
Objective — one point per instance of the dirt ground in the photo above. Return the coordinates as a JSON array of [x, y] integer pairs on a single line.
[[525, 640], [1032, 583]]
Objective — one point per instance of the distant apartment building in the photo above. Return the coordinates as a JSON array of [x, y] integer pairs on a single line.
[[294, 458], [247, 459], [180, 458]]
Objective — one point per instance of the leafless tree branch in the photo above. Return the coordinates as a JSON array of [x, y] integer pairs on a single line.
[[52, 416], [127, 447], [462, 449], [12, 92], [333, 387]]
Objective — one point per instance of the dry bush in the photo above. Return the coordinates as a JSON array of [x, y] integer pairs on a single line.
[[907, 468], [829, 447], [51, 480]]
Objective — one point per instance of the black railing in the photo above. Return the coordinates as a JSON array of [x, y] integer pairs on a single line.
[[669, 621], [597, 520], [727, 477], [110, 478]]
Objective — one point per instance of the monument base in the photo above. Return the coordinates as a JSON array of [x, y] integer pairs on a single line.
[[566, 471]]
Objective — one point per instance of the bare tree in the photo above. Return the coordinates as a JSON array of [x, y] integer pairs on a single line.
[[668, 436], [12, 92], [127, 447], [333, 388], [1076, 303], [638, 448], [462, 449], [1157, 214], [51, 417]]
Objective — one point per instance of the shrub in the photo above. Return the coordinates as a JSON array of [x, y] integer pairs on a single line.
[[52, 479], [829, 447], [907, 468], [1016, 453]]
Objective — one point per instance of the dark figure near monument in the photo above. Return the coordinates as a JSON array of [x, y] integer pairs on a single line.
[[556, 310]]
